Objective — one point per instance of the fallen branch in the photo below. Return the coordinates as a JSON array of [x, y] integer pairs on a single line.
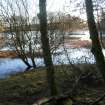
[[98, 100], [55, 99], [61, 98]]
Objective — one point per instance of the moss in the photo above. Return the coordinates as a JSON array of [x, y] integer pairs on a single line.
[[22, 88], [68, 102]]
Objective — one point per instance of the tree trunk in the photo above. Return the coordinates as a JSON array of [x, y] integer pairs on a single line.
[[32, 56], [96, 46], [46, 47]]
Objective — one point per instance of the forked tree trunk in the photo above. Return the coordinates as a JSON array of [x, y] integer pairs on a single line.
[[46, 47], [96, 46]]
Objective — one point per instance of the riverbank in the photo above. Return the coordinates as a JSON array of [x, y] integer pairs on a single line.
[[10, 66], [71, 42], [27, 87]]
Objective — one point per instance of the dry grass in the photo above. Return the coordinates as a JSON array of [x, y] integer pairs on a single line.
[[25, 88]]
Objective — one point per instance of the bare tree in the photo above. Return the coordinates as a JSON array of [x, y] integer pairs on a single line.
[[18, 24], [46, 47], [96, 46]]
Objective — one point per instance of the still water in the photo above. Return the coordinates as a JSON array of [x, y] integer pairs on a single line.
[[75, 55], [13, 65]]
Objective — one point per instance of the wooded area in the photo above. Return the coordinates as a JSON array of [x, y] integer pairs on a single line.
[[68, 81]]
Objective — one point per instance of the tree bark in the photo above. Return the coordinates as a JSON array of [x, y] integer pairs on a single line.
[[94, 36], [46, 47]]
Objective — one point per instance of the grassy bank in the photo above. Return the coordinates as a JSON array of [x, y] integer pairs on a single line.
[[25, 88]]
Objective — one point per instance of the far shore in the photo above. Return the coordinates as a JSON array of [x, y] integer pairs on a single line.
[[69, 43]]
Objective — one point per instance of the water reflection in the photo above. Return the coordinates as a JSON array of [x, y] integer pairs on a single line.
[[11, 66]]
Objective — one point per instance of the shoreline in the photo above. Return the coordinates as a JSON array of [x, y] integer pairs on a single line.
[[68, 42]]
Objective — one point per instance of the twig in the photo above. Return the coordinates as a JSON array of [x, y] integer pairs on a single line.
[[98, 100]]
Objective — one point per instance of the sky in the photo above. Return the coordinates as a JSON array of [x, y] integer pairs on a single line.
[[72, 7], [52, 6], [66, 6], [57, 5]]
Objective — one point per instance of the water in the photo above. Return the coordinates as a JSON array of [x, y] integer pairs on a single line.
[[78, 55], [10, 66], [13, 65], [83, 35]]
